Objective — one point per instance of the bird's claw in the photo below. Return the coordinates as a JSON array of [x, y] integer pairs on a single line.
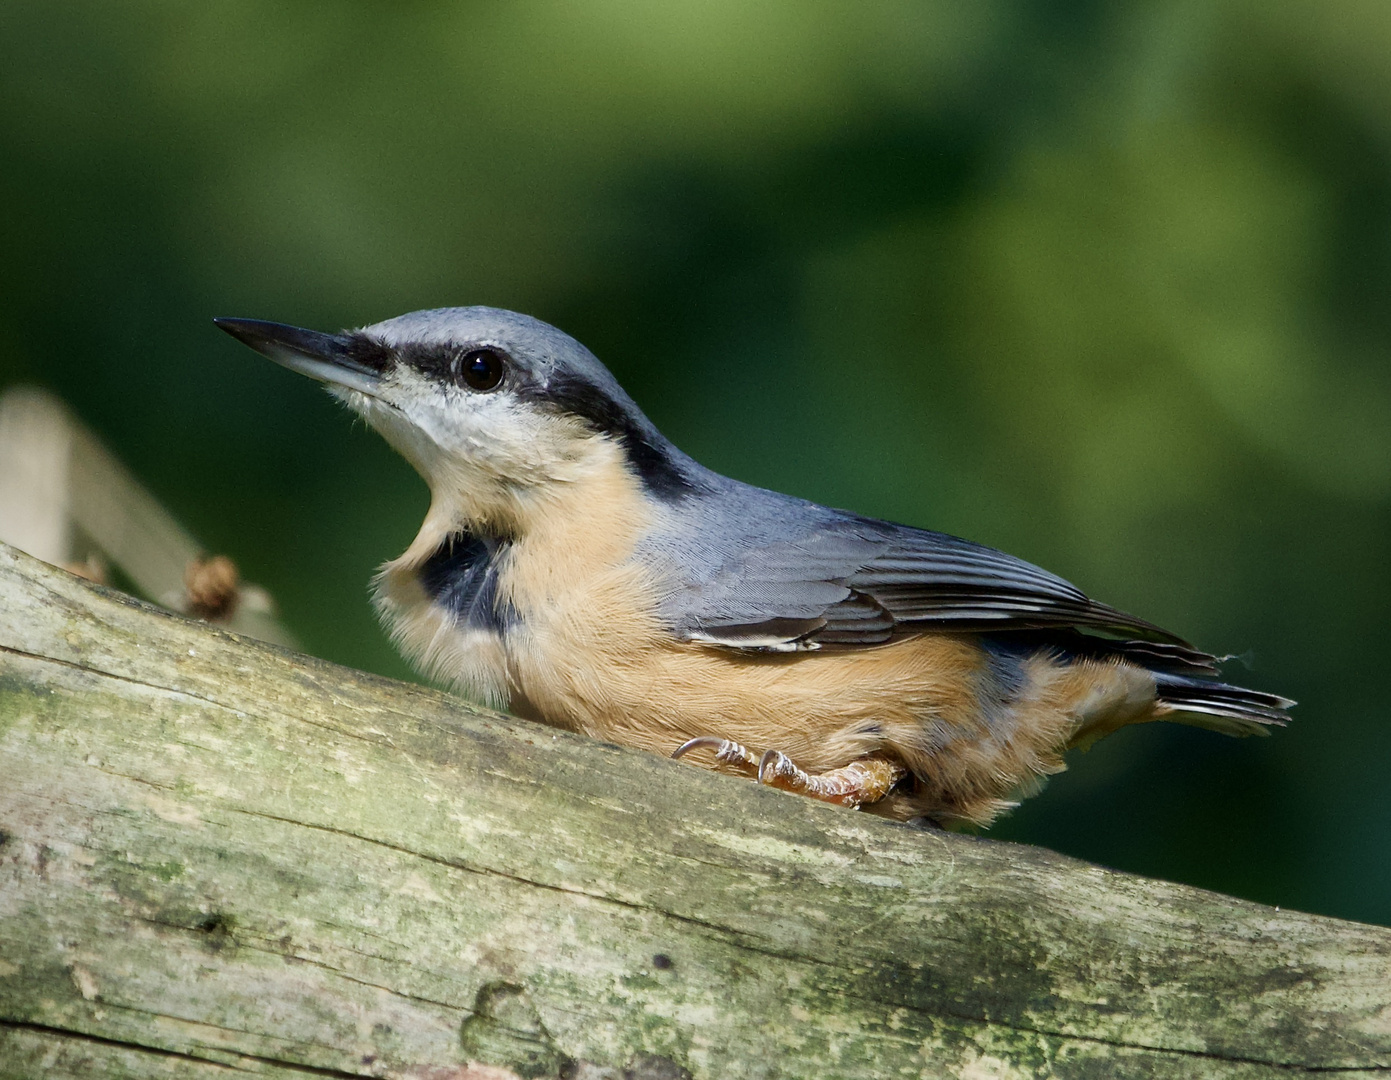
[[727, 752], [778, 770]]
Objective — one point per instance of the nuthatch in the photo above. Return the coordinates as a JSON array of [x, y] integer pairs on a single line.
[[579, 569]]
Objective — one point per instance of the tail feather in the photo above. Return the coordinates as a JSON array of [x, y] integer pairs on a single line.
[[1217, 706], [1187, 681]]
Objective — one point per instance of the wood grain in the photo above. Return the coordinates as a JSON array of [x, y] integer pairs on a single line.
[[221, 857]]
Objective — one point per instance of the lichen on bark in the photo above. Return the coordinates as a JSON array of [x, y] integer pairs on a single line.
[[216, 853]]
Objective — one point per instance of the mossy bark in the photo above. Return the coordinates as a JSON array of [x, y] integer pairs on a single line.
[[218, 855]]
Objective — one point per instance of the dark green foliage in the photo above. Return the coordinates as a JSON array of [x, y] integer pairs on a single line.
[[1104, 286]]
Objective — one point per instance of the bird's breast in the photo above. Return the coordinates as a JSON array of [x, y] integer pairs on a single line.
[[524, 615], [584, 613], [449, 613]]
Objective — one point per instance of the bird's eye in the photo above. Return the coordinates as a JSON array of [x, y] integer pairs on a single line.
[[480, 369]]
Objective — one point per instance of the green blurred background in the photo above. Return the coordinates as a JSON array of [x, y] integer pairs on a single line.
[[1104, 285]]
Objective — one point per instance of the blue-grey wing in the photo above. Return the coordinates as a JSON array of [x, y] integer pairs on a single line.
[[812, 578]]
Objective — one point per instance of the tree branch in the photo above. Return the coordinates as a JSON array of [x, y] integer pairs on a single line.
[[218, 856]]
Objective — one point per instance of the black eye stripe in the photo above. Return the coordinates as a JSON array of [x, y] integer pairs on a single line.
[[561, 391], [368, 352], [479, 368]]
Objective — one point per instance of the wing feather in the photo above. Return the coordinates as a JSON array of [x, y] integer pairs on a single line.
[[847, 581]]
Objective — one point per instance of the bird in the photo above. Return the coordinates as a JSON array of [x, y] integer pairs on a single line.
[[576, 568]]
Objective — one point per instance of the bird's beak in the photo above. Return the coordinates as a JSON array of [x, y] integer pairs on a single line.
[[329, 358]]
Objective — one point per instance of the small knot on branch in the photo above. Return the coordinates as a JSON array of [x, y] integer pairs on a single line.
[[212, 585]]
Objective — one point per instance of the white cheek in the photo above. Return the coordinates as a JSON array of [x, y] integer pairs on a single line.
[[489, 431], [455, 437]]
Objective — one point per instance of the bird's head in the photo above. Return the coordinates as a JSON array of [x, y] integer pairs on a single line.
[[494, 409]]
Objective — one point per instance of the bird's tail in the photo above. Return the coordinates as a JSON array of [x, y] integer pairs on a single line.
[[1218, 706], [1188, 686]]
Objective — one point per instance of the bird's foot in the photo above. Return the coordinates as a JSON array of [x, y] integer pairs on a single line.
[[864, 781], [727, 752]]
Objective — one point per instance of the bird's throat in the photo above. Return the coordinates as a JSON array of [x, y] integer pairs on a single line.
[[462, 577]]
